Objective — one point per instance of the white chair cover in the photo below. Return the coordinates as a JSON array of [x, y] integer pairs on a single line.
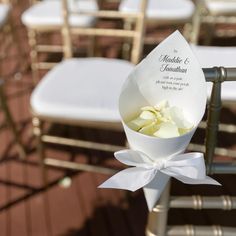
[[162, 10]]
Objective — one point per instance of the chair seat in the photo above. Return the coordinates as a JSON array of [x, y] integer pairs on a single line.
[[162, 10], [82, 89], [218, 56], [4, 13], [49, 13], [221, 7]]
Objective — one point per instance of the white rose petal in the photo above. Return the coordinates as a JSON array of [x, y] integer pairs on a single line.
[[165, 112], [138, 123], [161, 105], [150, 129], [147, 115], [161, 121], [178, 118], [151, 109], [148, 108], [167, 130]]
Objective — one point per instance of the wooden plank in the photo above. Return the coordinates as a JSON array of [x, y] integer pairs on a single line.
[[112, 212], [37, 215], [3, 214]]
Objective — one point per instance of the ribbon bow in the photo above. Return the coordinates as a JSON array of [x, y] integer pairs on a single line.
[[188, 168]]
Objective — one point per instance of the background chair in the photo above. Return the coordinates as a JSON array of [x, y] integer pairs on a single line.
[[209, 15], [157, 223], [84, 91], [161, 13], [45, 17]]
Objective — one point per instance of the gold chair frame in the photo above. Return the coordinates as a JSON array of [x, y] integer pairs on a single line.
[[203, 16], [137, 35], [157, 221], [186, 24], [36, 48]]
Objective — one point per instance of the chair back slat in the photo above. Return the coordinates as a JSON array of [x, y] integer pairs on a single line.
[[136, 34]]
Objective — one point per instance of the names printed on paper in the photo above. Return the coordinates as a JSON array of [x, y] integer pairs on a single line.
[[174, 70]]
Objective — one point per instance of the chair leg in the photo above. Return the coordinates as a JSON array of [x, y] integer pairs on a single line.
[[157, 219], [126, 47], [11, 124], [188, 28], [33, 54], [23, 64], [196, 26], [91, 46], [38, 131], [210, 28]]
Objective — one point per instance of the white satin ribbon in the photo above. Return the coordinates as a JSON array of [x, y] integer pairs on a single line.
[[188, 168]]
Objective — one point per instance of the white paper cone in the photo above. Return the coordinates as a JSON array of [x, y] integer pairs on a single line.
[[170, 72], [153, 190]]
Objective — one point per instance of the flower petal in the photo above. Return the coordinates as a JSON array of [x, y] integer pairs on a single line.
[[179, 119], [167, 130], [138, 123], [150, 129]]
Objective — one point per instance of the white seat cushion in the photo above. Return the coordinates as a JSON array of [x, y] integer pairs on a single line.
[[221, 7], [162, 10], [49, 13], [82, 89], [218, 56], [4, 13]]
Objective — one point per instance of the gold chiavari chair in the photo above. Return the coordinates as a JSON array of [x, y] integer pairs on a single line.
[[157, 222], [161, 13], [211, 13], [44, 17], [84, 91]]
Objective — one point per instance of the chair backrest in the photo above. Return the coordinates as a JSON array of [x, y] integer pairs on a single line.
[[136, 34], [203, 15]]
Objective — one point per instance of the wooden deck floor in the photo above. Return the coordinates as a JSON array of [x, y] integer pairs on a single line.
[[79, 209]]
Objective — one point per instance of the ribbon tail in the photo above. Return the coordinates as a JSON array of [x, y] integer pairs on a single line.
[[189, 168], [130, 179], [206, 180]]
